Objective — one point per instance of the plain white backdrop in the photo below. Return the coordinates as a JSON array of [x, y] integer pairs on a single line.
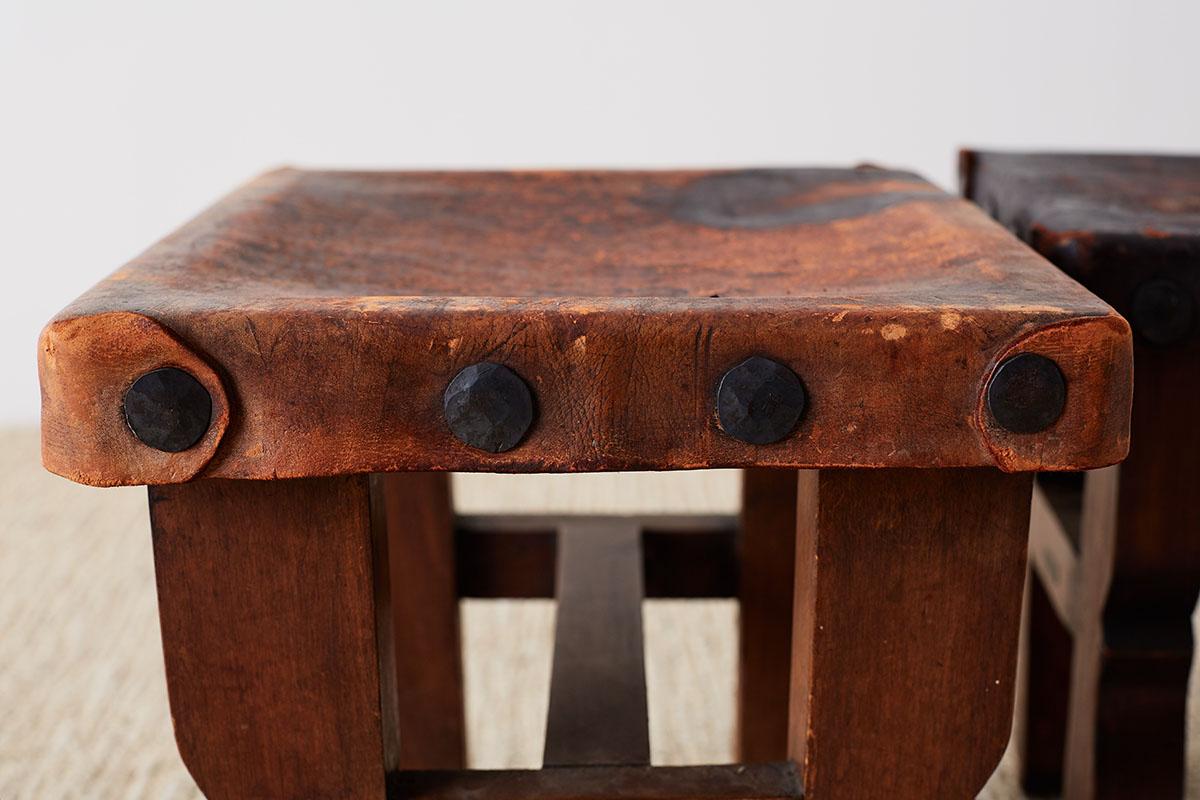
[[119, 120]]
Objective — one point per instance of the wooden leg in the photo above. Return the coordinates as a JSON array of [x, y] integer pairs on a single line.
[[767, 547], [1133, 654], [908, 607], [1140, 577], [416, 511], [267, 606], [1047, 688]]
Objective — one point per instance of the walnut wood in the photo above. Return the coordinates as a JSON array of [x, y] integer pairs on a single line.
[[1052, 554], [419, 525], [767, 561], [1062, 492], [1140, 575], [691, 564], [1157, 560], [726, 782], [1043, 728], [497, 564], [684, 556], [1051, 613], [269, 635], [1114, 223], [338, 306], [1144, 610], [682, 524], [597, 712], [385, 627], [908, 605]]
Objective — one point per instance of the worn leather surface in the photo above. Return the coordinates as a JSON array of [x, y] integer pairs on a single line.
[[1090, 212], [335, 308]]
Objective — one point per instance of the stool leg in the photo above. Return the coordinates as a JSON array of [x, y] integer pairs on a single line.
[[1048, 680], [267, 603], [417, 512], [908, 607], [766, 559]]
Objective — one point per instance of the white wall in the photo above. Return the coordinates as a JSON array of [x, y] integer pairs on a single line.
[[120, 119]]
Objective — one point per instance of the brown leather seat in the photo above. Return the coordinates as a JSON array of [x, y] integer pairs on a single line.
[[333, 308]]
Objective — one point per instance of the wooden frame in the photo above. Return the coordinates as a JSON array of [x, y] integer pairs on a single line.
[[266, 593], [414, 516], [933, 723], [908, 606], [766, 569]]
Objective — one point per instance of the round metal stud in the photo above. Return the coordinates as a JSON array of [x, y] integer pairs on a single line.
[[760, 401], [168, 409], [1162, 311], [1027, 393], [488, 407]]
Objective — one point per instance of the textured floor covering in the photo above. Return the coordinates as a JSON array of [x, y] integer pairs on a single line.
[[81, 684]]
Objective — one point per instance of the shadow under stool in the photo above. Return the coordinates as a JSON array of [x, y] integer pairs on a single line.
[[294, 373], [1115, 554]]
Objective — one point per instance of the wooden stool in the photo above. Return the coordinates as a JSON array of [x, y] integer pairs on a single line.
[[1121, 579], [294, 372]]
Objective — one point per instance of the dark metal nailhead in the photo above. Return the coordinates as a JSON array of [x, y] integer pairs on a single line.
[[488, 406], [168, 409], [1027, 393], [759, 401], [1162, 311]]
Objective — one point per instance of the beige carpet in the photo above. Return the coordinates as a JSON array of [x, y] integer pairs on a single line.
[[81, 685]]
